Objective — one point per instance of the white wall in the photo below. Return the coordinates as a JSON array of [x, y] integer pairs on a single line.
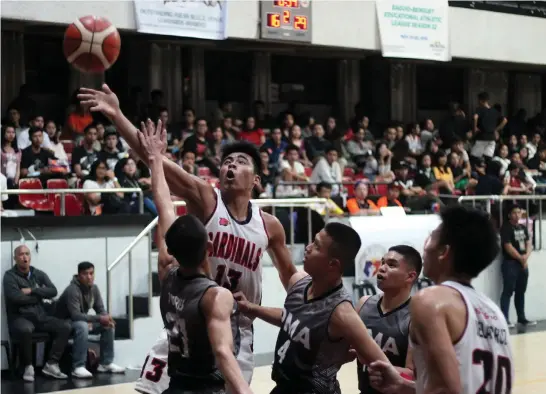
[[475, 34]]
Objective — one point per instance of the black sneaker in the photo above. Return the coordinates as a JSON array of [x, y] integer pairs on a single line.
[[527, 323]]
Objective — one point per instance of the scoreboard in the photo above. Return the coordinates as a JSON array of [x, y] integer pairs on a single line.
[[286, 20]]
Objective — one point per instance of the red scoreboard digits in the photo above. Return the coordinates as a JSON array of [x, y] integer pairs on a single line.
[[285, 18], [288, 20]]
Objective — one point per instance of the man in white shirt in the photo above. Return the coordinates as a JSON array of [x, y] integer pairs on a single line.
[[23, 138], [3, 186], [292, 171], [328, 170]]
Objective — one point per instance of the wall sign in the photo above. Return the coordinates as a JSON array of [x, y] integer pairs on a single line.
[[286, 20], [204, 19]]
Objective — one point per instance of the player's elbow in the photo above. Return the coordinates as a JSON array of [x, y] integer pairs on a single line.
[[222, 353]]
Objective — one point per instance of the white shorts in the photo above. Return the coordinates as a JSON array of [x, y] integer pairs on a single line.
[[154, 378], [483, 148]]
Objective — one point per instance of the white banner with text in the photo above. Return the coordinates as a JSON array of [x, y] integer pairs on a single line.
[[414, 29], [205, 19]]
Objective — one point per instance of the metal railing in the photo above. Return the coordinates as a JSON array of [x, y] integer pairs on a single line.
[[279, 203], [501, 198], [63, 192]]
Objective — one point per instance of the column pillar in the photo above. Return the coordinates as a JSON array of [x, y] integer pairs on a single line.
[[403, 92], [13, 66], [197, 80], [527, 93], [261, 79]]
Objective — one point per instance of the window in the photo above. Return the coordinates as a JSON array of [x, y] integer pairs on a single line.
[[438, 85]]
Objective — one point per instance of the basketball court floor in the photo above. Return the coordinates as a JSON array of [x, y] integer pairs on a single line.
[[529, 354]]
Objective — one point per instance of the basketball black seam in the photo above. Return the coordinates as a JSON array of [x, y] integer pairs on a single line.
[[89, 62]]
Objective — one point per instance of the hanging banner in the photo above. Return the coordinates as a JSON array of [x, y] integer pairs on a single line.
[[205, 19], [414, 29]]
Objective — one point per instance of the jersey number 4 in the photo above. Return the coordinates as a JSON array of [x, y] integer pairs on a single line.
[[155, 374], [282, 351], [501, 367], [233, 277]]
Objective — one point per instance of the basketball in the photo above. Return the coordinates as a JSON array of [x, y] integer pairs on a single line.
[[91, 44]]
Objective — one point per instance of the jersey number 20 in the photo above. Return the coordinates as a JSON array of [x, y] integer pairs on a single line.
[[503, 376]]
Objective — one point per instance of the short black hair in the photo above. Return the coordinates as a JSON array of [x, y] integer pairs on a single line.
[[187, 240], [472, 239], [345, 242], [410, 255], [34, 130], [243, 147], [323, 185], [291, 147], [90, 127], [329, 149], [84, 266], [483, 96]]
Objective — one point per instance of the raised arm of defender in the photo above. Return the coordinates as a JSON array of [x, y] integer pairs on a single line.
[[199, 195]]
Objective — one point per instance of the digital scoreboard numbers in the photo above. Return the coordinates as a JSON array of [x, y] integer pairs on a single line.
[[286, 20]]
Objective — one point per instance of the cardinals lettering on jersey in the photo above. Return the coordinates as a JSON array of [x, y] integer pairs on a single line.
[[237, 250]]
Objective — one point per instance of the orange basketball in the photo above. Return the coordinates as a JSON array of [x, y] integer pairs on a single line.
[[91, 44]]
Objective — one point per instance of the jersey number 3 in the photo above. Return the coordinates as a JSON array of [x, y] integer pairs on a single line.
[[502, 367], [233, 277], [155, 374]]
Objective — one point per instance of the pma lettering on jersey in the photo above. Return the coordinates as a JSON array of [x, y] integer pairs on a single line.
[[388, 345], [238, 250], [488, 332], [296, 333]]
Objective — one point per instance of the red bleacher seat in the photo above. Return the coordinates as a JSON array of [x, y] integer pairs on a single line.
[[68, 146], [203, 172], [349, 172], [38, 202], [72, 205], [55, 184], [308, 171]]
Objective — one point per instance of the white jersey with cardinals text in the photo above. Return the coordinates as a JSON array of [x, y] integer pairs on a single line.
[[235, 262], [484, 352]]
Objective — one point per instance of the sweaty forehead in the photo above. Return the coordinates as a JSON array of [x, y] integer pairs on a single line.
[[236, 155]]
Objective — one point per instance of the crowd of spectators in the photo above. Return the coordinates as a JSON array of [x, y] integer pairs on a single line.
[[359, 167]]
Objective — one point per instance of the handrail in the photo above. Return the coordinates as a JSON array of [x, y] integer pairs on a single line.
[[288, 202], [62, 192]]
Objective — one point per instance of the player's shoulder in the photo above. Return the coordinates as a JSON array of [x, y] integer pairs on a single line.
[[216, 296], [299, 275], [273, 226], [435, 299]]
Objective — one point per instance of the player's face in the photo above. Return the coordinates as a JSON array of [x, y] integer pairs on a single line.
[[435, 261], [394, 273], [237, 173], [316, 260]]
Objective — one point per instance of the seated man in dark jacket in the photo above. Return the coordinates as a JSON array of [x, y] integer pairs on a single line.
[[79, 297], [27, 292]]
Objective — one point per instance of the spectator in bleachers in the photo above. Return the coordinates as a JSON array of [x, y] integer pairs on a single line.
[[14, 119], [111, 152], [292, 171], [76, 122], [532, 146], [187, 162], [485, 121], [330, 208], [216, 143], [24, 138], [74, 305], [188, 127], [252, 133], [413, 138], [317, 144], [538, 163], [489, 182], [360, 204], [390, 137], [99, 141], [295, 138], [198, 144], [328, 170], [425, 177], [126, 172], [524, 175], [276, 146], [54, 136], [101, 177], [268, 175], [462, 177], [11, 156], [524, 155], [513, 144], [360, 152], [392, 197], [174, 134], [288, 122], [35, 159], [383, 156], [28, 294], [85, 155], [428, 132], [443, 174], [515, 183], [502, 157]]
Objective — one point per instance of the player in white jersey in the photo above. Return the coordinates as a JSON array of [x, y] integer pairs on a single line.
[[460, 338], [241, 232], [154, 378]]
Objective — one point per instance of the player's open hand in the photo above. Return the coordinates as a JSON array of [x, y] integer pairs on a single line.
[[104, 100], [153, 139], [384, 377]]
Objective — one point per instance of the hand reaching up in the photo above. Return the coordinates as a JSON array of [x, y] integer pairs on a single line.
[[104, 100], [153, 140]]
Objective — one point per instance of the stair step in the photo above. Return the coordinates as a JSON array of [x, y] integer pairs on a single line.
[[140, 305]]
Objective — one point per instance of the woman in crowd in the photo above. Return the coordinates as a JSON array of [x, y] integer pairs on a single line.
[[126, 172], [100, 177], [11, 162]]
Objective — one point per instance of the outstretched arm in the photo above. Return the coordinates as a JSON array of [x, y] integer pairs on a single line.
[[217, 306], [197, 193], [153, 145]]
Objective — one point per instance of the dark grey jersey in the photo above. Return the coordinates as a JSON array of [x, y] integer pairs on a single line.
[[306, 358], [191, 362], [389, 330]]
